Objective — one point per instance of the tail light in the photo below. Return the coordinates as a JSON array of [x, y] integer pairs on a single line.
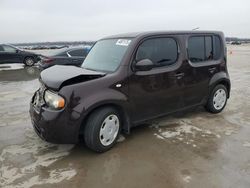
[[47, 60]]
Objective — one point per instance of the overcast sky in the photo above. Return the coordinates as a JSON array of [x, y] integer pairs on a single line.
[[65, 20]]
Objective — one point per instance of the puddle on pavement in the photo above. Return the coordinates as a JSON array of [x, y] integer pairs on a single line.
[[22, 164], [18, 73]]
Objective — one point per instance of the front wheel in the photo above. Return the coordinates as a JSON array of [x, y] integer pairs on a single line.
[[217, 99], [29, 61], [102, 129]]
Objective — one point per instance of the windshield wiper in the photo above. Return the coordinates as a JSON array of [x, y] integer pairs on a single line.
[[88, 69]]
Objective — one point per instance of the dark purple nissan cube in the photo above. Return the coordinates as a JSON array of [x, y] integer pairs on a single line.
[[128, 79]]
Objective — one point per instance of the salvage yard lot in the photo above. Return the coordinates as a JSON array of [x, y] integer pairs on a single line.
[[192, 149]]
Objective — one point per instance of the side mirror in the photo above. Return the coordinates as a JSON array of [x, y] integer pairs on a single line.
[[17, 51], [144, 65]]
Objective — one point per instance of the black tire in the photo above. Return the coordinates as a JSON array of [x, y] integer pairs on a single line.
[[93, 127], [29, 61], [210, 106]]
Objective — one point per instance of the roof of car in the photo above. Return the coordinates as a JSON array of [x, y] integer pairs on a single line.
[[71, 48], [149, 33]]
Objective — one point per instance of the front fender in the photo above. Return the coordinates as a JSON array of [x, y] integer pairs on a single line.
[[108, 97], [105, 97]]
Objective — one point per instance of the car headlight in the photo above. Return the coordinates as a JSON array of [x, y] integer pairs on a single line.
[[53, 100]]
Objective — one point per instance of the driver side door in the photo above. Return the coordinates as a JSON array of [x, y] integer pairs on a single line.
[[9, 54], [157, 91]]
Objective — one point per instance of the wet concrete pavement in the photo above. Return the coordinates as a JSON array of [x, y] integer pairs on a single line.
[[193, 149]]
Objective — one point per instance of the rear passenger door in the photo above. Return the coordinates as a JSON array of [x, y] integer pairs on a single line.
[[204, 58], [158, 91]]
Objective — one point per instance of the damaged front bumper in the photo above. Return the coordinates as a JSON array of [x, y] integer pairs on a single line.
[[55, 126]]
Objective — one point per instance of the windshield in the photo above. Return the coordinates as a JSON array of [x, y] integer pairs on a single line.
[[106, 55]]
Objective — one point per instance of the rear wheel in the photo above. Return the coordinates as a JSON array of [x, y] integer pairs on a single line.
[[29, 61], [102, 129], [217, 99]]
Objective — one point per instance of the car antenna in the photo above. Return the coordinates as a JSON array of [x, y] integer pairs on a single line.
[[196, 28]]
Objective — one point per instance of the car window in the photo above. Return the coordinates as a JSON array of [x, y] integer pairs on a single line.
[[106, 55], [208, 48], [80, 52], [161, 51], [204, 48], [64, 54], [1, 49], [196, 49], [217, 47], [9, 49], [58, 52]]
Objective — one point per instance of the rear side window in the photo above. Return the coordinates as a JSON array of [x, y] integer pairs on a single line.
[[64, 54], [80, 52], [217, 47], [204, 48], [208, 48], [161, 51], [196, 49]]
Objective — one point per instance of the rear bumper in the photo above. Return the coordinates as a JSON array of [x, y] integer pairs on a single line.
[[55, 126], [42, 66]]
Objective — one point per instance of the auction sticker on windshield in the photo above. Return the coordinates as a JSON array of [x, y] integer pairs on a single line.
[[123, 42]]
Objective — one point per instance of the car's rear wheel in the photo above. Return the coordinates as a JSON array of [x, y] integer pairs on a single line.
[[29, 61], [217, 99], [102, 129]]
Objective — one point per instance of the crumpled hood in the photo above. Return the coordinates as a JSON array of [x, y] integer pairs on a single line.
[[59, 76]]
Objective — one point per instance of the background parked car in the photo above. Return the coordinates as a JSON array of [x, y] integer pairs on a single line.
[[69, 56], [12, 54], [236, 43]]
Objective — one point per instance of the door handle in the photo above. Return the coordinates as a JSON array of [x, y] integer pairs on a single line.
[[179, 75], [211, 70]]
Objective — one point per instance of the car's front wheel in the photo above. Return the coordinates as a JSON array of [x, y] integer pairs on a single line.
[[29, 61], [217, 99], [102, 129]]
